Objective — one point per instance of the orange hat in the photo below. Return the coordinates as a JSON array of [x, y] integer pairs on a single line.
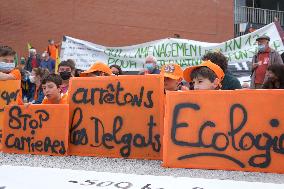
[[97, 66], [173, 71], [214, 67]]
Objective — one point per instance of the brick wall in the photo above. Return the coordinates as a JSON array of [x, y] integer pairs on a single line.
[[113, 22]]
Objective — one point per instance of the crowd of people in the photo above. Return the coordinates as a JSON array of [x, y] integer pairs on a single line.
[[44, 83]]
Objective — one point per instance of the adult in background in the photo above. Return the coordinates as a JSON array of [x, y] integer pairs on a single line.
[[264, 58], [33, 60], [52, 49], [150, 66], [22, 63], [47, 62], [229, 82]]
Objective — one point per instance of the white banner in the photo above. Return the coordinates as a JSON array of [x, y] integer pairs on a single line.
[[182, 51], [47, 178]]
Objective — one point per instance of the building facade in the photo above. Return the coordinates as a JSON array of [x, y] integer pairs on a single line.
[[113, 22], [253, 14]]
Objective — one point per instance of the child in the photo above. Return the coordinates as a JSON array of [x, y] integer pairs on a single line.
[[97, 69], [7, 68], [206, 76], [66, 70], [229, 82], [7, 64], [275, 77], [52, 91], [35, 95], [173, 76]]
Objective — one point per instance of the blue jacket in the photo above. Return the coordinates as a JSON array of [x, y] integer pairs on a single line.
[[40, 95], [156, 71], [49, 64]]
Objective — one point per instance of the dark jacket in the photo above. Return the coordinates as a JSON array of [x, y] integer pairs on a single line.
[[230, 82], [26, 85], [40, 95], [155, 71], [28, 66]]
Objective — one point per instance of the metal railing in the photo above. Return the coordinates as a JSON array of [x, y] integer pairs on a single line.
[[258, 16]]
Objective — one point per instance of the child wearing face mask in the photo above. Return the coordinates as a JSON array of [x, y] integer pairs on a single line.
[[7, 64], [36, 95], [66, 70], [7, 67]]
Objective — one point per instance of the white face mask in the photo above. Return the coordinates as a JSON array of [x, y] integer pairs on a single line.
[[7, 66], [32, 78]]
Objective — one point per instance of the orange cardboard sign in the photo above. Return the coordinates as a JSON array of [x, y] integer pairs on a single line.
[[116, 116], [9, 91], [232, 130], [37, 129]]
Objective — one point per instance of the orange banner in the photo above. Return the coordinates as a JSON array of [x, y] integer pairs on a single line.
[[116, 116], [231, 130], [9, 91], [37, 129]]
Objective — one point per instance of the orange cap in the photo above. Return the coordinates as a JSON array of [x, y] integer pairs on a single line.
[[173, 71], [214, 67], [97, 66]]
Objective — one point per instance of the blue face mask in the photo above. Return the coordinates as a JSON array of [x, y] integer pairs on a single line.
[[261, 48], [150, 67], [6, 67]]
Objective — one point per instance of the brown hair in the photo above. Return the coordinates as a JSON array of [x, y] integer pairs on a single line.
[[203, 72], [54, 78], [70, 63], [217, 58], [6, 51], [41, 72]]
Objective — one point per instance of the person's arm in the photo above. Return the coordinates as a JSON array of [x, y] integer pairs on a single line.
[[57, 45], [278, 59], [254, 64], [4, 76], [53, 66], [41, 64]]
